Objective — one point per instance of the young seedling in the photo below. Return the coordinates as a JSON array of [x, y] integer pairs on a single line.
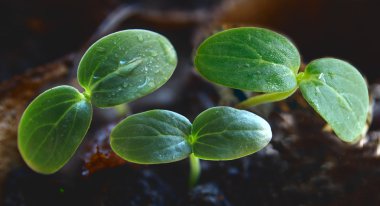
[[261, 60], [161, 136], [116, 69]]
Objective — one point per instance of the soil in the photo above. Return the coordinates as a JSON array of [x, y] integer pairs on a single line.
[[305, 163]]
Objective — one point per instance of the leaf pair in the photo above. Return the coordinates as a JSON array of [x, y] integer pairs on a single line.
[[116, 69], [161, 136], [261, 60]]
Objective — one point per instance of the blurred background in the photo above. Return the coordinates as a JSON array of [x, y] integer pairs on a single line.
[[38, 31], [42, 41]]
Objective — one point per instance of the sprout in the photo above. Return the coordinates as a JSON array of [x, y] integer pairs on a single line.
[[261, 60], [116, 69], [161, 136]]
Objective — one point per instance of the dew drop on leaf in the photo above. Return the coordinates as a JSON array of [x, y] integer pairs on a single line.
[[154, 53], [144, 83], [140, 37], [101, 49], [321, 77], [318, 91]]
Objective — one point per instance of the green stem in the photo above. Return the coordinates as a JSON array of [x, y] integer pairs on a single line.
[[195, 170], [265, 98]]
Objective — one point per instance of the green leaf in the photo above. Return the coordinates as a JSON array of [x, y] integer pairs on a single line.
[[338, 92], [52, 127], [249, 58], [125, 66], [153, 137], [225, 133]]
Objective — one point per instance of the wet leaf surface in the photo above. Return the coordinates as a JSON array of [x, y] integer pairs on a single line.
[[125, 66], [225, 133], [338, 92], [52, 127], [249, 58], [152, 137]]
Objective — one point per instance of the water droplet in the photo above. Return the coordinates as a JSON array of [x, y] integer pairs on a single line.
[[101, 49], [125, 68], [122, 62], [144, 83], [154, 53], [321, 77], [318, 91]]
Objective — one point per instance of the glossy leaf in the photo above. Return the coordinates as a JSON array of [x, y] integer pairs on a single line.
[[253, 59], [152, 137], [126, 65], [225, 133], [338, 92], [52, 127]]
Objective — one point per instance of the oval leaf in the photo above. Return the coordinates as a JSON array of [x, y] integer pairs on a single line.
[[252, 59], [153, 137], [125, 66], [225, 133], [52, 127], [338, 92]]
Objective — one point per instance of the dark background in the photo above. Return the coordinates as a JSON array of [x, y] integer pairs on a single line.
[[34, 32]]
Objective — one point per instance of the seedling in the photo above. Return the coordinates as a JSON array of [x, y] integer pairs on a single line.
[[116, 69], [127, 65], [261, 60], [161, 136]]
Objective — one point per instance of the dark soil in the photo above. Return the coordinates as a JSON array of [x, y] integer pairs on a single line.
[[302, 166]]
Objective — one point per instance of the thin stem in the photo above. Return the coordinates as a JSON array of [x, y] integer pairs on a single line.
[[195, 170], [265, 98]]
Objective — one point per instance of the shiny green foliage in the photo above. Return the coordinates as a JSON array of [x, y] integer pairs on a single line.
[[337, 91], [52, 127], [152, 137], [225, 133], [125, 66], [118, 68], [252, 59], [260, 60], [160, 136]]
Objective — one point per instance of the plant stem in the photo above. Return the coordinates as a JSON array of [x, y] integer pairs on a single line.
[[265, 98], [195, 170]]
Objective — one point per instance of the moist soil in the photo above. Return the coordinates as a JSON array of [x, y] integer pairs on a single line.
[[303, 165]]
